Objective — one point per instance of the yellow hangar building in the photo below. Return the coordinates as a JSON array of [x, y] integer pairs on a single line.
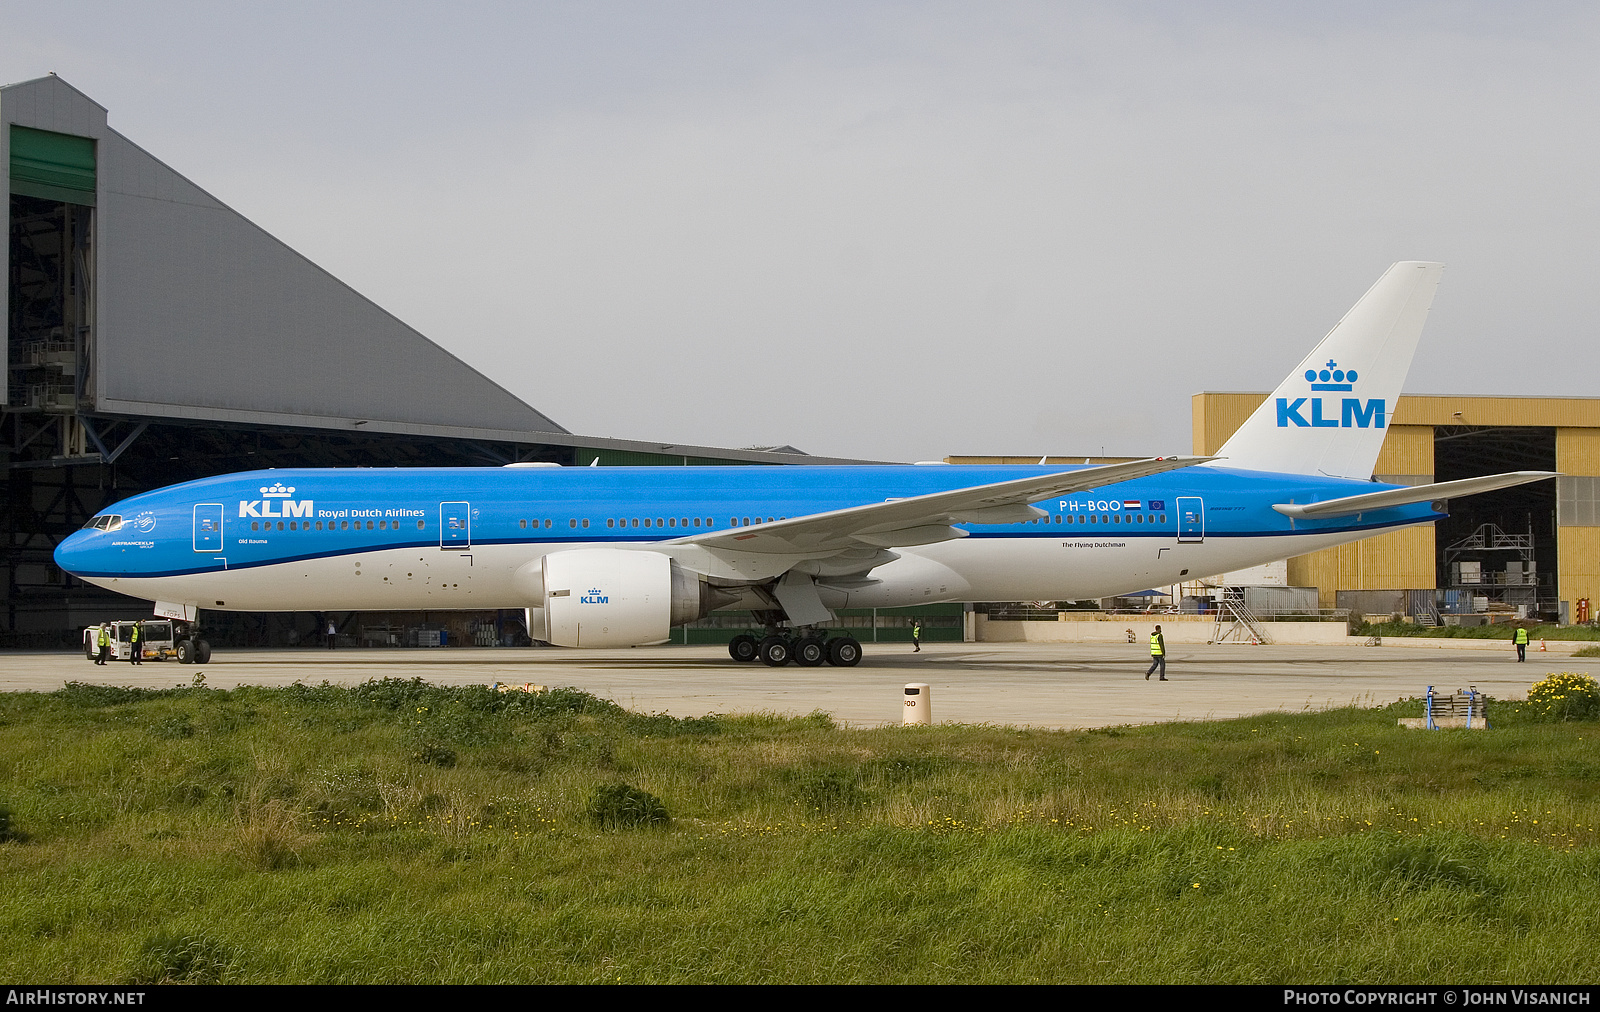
[[1534, 549]]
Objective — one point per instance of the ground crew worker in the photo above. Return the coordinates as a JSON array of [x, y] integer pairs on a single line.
[[1158, 655], [134, 648], [916, 636], [104, 642], [1522, 644]]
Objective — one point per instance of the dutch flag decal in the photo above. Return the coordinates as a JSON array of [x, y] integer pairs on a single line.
[[1130, 504]]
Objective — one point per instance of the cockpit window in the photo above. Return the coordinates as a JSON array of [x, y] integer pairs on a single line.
[[106, 522]]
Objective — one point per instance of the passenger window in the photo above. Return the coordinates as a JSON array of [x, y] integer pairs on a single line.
[[709, 522], [697, 521], [747, 521], [659, 523], [672, 521], [635, 521], [344, 525], [572, 523], [280, 525], [585, 523], [524, 524], [548, 523], [685, 521], [647, 521], [611, 522], [255, 525], [421, 524]]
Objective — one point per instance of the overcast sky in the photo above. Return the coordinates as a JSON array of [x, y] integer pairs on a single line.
[[888, 230]]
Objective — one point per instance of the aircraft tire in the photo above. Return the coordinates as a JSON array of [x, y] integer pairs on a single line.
[[185, 652], [743, 648], [776, 651], [844, 652], [810, 652], [202, 652]]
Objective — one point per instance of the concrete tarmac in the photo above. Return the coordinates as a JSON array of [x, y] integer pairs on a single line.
[[1041, 685]]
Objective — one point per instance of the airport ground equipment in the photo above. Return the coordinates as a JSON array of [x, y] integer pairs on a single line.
[[1465, 708], [159, 640]]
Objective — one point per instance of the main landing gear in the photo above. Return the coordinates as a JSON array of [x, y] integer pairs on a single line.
[[808, 650]]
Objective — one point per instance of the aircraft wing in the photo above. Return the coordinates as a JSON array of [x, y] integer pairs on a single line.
[[925, 519], [1369, 501]]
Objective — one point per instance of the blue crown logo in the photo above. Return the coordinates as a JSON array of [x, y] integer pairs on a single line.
[[1331, 377], [277, 491]]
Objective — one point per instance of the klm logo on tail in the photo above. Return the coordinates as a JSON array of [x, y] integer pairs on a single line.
[[1352, 412]]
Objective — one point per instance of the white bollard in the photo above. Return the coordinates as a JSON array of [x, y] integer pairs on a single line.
[[919, 707]]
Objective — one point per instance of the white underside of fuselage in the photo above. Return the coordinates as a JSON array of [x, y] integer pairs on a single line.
[[969, 569]]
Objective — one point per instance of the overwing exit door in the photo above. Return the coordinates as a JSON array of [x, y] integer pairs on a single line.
[[455, 526], [1191, 519]]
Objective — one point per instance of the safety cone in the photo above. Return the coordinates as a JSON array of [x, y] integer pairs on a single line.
[[1541, 644]]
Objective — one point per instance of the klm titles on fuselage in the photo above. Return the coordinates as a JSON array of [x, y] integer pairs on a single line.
[[288, 507], [262, 508], [1353, 413]]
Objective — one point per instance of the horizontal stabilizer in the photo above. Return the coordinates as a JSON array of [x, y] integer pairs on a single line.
[[1366, 503]]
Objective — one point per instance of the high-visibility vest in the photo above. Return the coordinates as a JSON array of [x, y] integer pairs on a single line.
[[133, 636], [105, 637], [1155, 645], [1522, 637]]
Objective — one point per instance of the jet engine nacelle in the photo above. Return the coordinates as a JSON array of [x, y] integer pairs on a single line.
[[607, 597]]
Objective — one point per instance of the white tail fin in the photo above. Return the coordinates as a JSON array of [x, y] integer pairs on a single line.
[[1331, 414]]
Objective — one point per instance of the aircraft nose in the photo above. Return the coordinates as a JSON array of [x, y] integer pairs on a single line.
[[75, 555]]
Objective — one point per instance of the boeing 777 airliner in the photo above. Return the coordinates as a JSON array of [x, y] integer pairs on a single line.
[[614, 557]]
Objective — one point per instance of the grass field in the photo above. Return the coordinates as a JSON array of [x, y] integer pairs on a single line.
[[397, 832]]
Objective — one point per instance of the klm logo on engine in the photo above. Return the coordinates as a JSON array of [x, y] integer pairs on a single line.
[[1352, 412], [276, 495], [593, 597]]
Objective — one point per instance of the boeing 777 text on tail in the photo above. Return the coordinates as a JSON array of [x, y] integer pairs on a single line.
[[615, 557]]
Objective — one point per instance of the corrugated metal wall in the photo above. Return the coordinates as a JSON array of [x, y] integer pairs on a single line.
[[201, 314]]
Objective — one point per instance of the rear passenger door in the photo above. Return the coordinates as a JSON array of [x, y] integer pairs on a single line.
[[455, 526], [1191, 519]]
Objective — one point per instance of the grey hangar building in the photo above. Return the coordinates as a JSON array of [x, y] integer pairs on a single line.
[[131, 298]]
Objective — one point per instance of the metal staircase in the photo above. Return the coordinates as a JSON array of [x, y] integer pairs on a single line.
[[1235, 621]]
